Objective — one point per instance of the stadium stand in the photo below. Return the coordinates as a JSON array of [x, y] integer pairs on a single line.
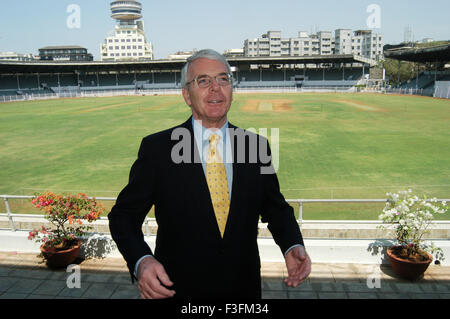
[[423, 81], [75, 79]]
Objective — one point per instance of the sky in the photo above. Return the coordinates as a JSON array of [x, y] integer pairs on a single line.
[[27, 25]]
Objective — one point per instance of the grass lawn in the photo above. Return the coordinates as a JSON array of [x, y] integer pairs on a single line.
[[330, 145]]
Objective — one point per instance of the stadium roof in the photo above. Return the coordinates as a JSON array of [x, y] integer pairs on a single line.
[[12, 67], [439, 53], [59, 47]]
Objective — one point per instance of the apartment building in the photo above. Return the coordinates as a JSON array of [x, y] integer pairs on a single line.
[[367, 44], [343, 41], [362, 42], [272, 44]]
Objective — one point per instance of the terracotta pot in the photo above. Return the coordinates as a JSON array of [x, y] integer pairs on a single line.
[[62, 258], [406, 268]]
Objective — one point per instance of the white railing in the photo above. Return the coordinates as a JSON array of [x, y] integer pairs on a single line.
[[410, 91], [177, 91], [80, 94], [10, 215]]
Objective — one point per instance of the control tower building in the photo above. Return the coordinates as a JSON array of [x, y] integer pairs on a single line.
[[127, 41]]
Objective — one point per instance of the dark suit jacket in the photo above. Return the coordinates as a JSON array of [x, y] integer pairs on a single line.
[[197, 259]]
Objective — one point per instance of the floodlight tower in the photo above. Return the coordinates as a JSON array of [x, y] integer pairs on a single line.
[[128, 40]]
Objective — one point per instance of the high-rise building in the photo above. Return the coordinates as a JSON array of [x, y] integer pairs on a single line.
[[128, 40]]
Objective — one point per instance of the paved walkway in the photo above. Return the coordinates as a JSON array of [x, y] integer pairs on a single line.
[[25, 276]]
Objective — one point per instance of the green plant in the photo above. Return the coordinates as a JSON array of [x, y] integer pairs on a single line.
[[412, 217], [68, 214]]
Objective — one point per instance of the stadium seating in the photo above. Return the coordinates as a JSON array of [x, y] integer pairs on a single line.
[[69, 84], [422, 82], [256, 84], [8, 92], [329, 84], [8, 82]]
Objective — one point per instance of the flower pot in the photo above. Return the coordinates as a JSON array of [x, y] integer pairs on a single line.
[[61, 258], [406, 268]]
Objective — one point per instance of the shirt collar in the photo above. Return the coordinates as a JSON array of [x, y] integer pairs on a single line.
[[200, 132]]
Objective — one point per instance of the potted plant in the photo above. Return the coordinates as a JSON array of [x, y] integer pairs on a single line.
[[411, 216], [68, 214]]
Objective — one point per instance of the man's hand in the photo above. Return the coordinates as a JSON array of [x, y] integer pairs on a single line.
[[151, 274], [298, 266]]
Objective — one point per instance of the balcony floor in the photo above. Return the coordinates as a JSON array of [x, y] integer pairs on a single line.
[[25, 276]]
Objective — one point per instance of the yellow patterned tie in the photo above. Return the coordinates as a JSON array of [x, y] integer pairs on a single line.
[[217, 183]]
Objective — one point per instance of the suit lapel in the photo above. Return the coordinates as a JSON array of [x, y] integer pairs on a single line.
[[236, 189]]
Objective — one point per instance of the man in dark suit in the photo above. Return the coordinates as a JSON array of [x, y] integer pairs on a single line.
[[210, 183]]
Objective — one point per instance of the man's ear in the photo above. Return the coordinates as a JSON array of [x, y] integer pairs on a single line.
[[186, 96]]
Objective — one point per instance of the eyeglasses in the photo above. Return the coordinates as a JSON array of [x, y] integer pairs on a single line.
[[205, 81]]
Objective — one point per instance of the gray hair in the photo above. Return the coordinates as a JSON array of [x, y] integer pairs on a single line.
[[206, 53]]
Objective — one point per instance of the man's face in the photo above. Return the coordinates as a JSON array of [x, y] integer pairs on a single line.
[[209, 105]]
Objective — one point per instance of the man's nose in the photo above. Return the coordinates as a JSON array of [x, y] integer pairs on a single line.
[[214, 86]]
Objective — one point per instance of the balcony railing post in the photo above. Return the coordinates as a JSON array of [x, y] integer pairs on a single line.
[[9, 214], [300, 212]]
